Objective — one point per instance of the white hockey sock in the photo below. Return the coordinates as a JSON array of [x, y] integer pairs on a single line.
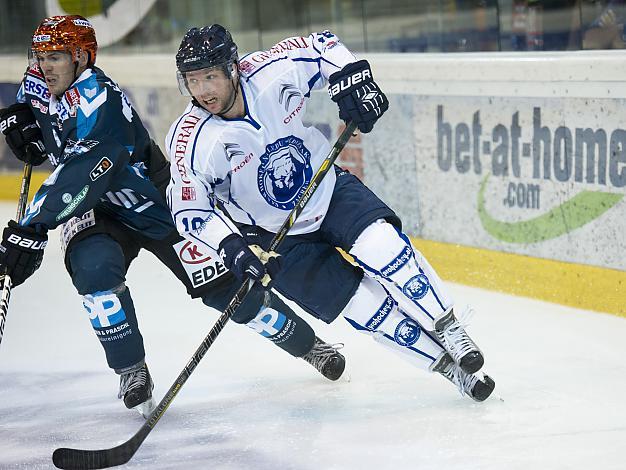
[[387, 255], [373, 311]]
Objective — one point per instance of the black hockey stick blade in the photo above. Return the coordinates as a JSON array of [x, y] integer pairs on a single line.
[[77, 459]]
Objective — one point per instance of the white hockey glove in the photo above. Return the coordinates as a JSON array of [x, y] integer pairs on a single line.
[[272, 261]]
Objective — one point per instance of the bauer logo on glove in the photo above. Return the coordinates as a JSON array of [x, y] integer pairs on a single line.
[[349, 81], [359, 98]]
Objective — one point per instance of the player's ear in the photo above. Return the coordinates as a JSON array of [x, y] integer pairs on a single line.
[[83, 59]]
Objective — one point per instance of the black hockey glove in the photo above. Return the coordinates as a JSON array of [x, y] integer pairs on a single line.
[[23, 135], [243, 263], [21, 251], [358, 97]]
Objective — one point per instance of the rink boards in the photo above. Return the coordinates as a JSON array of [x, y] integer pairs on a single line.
[[511, 173]]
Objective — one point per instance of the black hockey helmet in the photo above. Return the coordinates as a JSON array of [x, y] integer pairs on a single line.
[[205, 47]]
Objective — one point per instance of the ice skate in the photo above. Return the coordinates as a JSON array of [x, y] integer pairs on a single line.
[[451, 333], [136, 389], [327, 359], [468, 384]]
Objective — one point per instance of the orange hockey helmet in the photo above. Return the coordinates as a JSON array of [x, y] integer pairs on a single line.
[[70, 33]]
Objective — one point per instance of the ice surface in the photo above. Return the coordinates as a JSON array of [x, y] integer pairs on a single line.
[[560, 371]]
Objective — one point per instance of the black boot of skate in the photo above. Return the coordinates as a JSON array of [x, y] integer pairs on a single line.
[[326, 359], [468, 384], [136, 389], [455, 340]]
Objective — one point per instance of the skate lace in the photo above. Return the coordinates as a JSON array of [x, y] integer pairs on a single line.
[[321, 353], [132, 380], [464, 382], [456, 337]]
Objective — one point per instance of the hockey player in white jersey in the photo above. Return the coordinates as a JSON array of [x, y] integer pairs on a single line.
[[241, 156]]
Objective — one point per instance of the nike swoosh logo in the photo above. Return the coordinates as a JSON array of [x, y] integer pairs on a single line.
[[566, 217]]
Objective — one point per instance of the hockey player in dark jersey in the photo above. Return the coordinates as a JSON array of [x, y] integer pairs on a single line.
[[253, 156], [107, 193]]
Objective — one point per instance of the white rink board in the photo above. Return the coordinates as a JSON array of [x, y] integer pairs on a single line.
[[536, 154], [569, 92]]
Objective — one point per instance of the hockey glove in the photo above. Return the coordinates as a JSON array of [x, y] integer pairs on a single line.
[[272, 261], [21, 251], [358, 97], [23, 135], [239, 259]]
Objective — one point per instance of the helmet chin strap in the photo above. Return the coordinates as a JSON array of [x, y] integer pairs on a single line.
[[234, 100]]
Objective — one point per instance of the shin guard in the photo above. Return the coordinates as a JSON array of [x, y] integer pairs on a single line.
[[373, 311], [387, 255]]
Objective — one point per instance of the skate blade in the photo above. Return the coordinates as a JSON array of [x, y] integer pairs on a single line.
[[146, 408]]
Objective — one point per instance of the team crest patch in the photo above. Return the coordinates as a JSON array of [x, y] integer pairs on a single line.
[[407, 332], [285, 172], [417, 287]]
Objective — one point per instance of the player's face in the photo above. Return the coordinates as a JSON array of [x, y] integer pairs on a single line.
[[212, 88], [58, 70]]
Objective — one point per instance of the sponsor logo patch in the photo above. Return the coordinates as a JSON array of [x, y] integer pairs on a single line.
[[73, 204], [37, 87], [182, 139], [84, 23], [41, 38], [245, 66], [100, 169], [41, 107], [105, 310], [382, 313], [188, 193], [201, 267]]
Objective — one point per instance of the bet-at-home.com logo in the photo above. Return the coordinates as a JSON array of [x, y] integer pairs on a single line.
[[554, 155]]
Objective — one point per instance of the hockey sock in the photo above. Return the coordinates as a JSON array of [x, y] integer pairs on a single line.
[[373, 311], [112, 316], [386, 254], [277, 322]]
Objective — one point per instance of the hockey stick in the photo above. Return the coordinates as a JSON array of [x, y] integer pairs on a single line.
[[6, 279], [91, 459]]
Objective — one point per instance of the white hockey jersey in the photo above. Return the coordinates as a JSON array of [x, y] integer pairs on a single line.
[[259, 165]]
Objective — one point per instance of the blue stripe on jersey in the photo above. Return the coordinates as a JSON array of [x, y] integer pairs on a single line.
[[311, 83], [250, 120], [195, 141], [263, 66], [234, 203], [313, 45], [332, 63], [315, 77], [84, 125]]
